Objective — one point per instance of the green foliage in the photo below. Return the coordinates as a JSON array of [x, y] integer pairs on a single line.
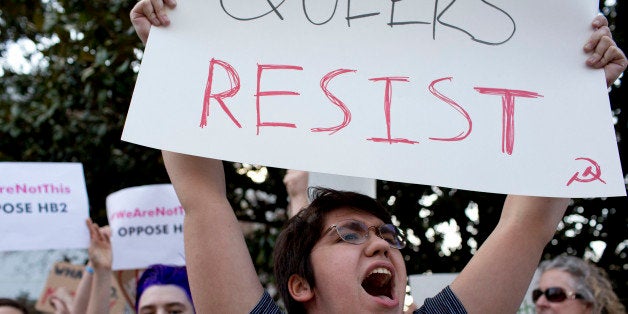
[[72, 107]]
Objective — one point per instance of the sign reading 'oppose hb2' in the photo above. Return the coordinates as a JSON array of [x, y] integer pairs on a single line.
[[43, 205], [146, 227], [467, 94]]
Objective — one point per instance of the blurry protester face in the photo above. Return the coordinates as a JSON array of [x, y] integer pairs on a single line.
[[370, 277], [560, 286], [164, 299]]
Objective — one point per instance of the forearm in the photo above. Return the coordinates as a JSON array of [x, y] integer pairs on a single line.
[[100, 292], [221, 273], [81, 299], [191, 174], [498, 275], [297, 202]]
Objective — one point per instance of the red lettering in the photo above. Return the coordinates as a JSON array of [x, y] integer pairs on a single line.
[[458, 108], [260, 68], [387, 104], [46, 296], [345, 111], [234, 81], [508, 112]]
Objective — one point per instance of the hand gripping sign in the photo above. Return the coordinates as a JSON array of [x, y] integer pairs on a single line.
[[43, 205], [146, 227], [463, 94]]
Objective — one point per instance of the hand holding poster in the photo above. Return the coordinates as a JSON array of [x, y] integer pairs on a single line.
[[489, 97], [42, 206], [146, 227]]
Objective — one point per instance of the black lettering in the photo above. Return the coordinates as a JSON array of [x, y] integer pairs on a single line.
[[273, 8], [359, 16], [307, 16], [16, 208], [142, 230], [178, 228], [438, 18], [392, 16]]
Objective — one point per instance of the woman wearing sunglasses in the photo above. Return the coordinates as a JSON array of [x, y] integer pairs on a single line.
[[569, 284]]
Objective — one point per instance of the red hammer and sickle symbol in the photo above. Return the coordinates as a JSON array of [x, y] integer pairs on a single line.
[[589, 174]]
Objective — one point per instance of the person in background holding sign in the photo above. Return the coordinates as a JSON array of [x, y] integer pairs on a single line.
[[327, 260], [571, 285]]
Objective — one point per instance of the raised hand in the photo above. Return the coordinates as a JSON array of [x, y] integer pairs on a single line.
[[604, 52]]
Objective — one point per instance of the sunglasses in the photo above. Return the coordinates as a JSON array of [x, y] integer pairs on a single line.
[[555, 294], [356, 232]]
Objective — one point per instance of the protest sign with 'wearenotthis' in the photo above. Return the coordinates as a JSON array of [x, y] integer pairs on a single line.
[[146, 227], [43, 205], [474, 95]]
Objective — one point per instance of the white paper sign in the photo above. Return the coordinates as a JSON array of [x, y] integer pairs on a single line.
[[343, 183], [146, 227], [428, 285], [466, 94], [43, 205]]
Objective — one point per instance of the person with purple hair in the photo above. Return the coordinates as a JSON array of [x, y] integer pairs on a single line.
[[164, 289]]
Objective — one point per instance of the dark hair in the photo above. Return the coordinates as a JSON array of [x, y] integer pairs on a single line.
[[163, 275], [292, 251], [14, 304]]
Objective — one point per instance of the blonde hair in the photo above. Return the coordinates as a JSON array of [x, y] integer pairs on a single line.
[[591, 281]]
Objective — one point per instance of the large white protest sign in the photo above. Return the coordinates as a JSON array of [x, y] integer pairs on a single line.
[[425, 286], [146, 227], [43, 205], [466, 94]]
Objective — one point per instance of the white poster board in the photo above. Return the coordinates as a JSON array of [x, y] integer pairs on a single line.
[[466, 94], [43, 205], [364, 186], [146, 227], [425, 286]]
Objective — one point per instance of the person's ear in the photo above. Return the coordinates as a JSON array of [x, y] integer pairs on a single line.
[[300, 289]]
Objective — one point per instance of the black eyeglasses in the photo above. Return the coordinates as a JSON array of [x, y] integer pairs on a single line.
[[555, 294], [356, 232]]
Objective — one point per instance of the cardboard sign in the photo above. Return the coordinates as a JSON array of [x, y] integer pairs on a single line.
[[68, 276], [429, 285], [43, 205], [473, 95], [146, 227]]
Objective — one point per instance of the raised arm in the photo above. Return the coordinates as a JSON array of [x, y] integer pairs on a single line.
[[296, 186], [498, 275], [220, 270], [100, 256], [81, 298]]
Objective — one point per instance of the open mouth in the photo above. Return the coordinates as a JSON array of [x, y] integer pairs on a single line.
[[378, 283]]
